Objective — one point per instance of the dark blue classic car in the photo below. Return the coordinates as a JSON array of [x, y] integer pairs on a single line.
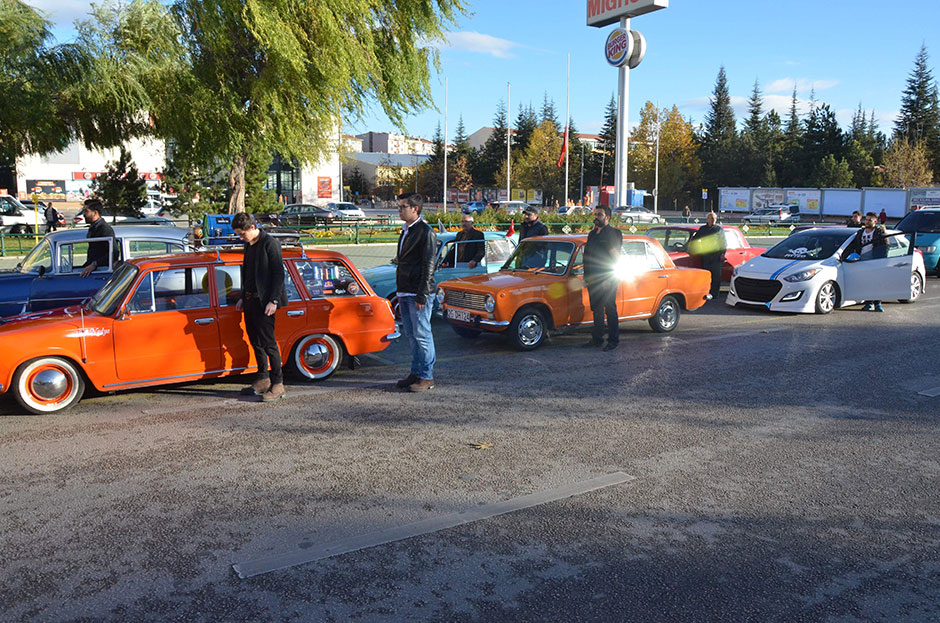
[[50, 276]]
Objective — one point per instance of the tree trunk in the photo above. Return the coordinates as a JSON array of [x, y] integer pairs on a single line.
[[236, 184]]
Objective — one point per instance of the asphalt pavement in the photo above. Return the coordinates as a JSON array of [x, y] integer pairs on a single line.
[[775, 468]]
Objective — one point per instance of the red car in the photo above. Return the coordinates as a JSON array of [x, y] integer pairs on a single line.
[[675, 239]]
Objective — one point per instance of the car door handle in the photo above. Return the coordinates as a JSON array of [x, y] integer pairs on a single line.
[[295, 312], [900, 265], [664, 276], [205, 320]]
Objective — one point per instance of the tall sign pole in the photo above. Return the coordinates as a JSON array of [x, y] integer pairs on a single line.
[[445, 144], [508, 138], [624, 50], [567, 119]]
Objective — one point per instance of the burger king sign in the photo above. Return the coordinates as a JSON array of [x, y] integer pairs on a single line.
[[619, 46]]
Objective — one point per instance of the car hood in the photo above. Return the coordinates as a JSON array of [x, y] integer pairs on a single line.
[[504, 280], [377, 274], [69, 317], [761, 267]]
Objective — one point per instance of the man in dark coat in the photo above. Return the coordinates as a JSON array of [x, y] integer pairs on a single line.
[[263, 292], [708, 243], [97, 256], [601, 253], [52, 217], [470, 245], [417, 253], [531, 225]]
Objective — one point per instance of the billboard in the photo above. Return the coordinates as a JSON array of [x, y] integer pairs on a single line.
[[808, 199], [47, 190], [924, 198], [892, 200], [841, 201], [763, 197], [734, 199], [604, 12], [324, 188]]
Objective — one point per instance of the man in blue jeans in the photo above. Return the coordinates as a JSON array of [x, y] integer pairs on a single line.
[[417, 252]]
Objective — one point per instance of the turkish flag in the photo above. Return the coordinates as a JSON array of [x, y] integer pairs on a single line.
[[512, 228], [564, 149]]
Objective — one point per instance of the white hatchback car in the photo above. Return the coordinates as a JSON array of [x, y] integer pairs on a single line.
[[347, 210], [818, 270]]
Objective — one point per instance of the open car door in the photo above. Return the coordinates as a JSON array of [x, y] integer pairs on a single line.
[[882, 273]]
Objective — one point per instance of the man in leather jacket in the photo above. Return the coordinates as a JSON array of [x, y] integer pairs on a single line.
[[262, 294], [417, 253]]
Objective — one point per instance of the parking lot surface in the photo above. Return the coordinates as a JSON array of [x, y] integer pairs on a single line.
[[775, 468]]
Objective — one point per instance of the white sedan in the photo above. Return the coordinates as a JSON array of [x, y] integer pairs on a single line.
[[347, 210], [818, 270]]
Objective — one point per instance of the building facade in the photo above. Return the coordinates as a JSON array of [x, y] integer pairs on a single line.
[[391, 143]]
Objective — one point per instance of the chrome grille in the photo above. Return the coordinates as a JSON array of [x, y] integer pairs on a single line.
[[466, 300]]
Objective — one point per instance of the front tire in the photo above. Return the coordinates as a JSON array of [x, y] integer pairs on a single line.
[[528, 329], [917, 287], [315, 357], [667, 315], [827, 298], [48, 384]]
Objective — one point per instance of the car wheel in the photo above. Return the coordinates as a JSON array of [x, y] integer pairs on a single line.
[[667, 315], [48, 384], [528, 329], [917, 286], [747, 222], [17, 229], [465, 331], [317, 356], [827, 297], [629, 220]]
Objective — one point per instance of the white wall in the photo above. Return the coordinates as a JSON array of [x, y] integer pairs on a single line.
[[892, 200], [841, 201]]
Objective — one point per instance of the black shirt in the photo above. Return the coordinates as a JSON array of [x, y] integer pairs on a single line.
[[251, 257], [536, 228], [602, 251], [708, 240], [98, 251]]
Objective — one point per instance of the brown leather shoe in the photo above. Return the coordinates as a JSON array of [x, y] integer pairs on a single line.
[[406, 382], [257, 388], [421, 385], [277, 391]]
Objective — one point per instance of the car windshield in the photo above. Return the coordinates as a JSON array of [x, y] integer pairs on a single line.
[[926, 222], [548, 256], [345, 206], [812, 244], [41, 255], [106, 300]]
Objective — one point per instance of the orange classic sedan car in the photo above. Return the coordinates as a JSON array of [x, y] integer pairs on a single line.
[[541, 287], [172, 318]]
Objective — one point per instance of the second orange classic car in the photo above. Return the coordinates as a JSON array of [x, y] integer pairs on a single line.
[[172, 318], [541, 287]]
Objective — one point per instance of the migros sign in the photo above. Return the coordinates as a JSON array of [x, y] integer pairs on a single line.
[[604, 12]]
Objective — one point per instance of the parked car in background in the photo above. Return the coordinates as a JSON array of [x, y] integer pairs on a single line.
[[572, 210], [773, 214], [172, 319], [50, 275], [509, 207], [634, 214], [541, 287], [29, 205], [816, 271], [79, 220], [216, 229], [923, 226], [497, 249], [306, 215], [675, 239], [346, 210], [16, 218], [474, 207]]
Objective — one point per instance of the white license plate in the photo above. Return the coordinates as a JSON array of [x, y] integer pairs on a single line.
[[459, 314]]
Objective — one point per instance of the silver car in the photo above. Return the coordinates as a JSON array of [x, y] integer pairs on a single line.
[[636, 214], [774, 214]]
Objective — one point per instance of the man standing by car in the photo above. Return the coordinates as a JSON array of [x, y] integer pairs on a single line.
[[97, 256], [601, 253], [470, 245], [531, 225], [708, 243], [417, 250], [871, 242], [263, 291], [52, 217]]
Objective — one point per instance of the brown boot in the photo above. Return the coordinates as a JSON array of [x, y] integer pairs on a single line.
[[421, 385], [257, 388], [276, 391], [407, 381]]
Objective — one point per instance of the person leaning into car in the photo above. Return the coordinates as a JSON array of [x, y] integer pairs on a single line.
[[97, 256], [262, 275], [601, 253], [708, 243], [417, 252]]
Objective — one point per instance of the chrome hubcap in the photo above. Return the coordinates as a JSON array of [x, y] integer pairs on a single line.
[[667, 314], [915, 286], [530, 330], [316, 355], [49, 384]]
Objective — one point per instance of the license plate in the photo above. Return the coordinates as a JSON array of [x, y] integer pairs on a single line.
[[459, 314]]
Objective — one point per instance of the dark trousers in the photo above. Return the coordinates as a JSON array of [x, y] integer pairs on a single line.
[[260, 330], [603, 298], [50, 226], [713, 263]]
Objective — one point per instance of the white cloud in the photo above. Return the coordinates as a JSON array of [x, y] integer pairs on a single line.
[[785, 85], [478, 42], [63, 13]]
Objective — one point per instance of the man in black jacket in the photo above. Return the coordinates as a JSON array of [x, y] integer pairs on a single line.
[[708, 243], [470, 245], [263, 292], [531, 225], [417, 252], [601, 253], [97, 255]]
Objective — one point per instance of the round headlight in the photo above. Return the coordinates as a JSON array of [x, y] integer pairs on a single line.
[[490, 304], [440, 295]]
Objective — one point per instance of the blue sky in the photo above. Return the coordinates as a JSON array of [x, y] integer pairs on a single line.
[[852, 52]]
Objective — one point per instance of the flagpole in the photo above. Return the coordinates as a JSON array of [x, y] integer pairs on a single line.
[[508, 137], [445, 144], [567, 119]]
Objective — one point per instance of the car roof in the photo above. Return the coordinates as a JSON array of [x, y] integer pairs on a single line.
[[124, 231], [690, 226], [583, 237], [229, 253]]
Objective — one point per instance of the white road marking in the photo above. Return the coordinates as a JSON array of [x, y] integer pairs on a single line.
[[285, 560], [933, 393]]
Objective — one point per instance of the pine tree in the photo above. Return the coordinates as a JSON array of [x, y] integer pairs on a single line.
[[548, 112], [790, 171], [120, 188], [526, 122], [493, 152], [755, 148], [461, 144], [919, 119], [720, 140], [608, 146]]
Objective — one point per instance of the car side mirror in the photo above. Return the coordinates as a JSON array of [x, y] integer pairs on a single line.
[[853, 257], [42, 270], [578, 271]]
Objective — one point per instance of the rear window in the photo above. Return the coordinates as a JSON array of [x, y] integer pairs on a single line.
[[927, 222]]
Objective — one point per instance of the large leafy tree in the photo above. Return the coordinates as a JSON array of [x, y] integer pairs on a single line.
[[680, 169], [919, 119], [907, 165], [537, 167], [719, 151]]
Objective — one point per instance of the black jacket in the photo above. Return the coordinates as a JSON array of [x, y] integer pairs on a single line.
[[708, 240], [98, 251], [601, 253], [470, 246], [537, 228], [416, 256], [269, 271]]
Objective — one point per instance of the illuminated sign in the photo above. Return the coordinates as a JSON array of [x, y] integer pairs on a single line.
[[604, 12]]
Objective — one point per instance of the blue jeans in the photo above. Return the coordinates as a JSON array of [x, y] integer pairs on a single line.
[[416, 326]]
